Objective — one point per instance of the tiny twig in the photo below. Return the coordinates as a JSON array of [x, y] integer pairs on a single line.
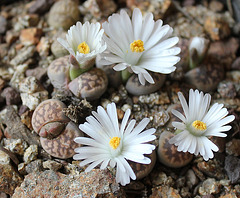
[[11, 155]]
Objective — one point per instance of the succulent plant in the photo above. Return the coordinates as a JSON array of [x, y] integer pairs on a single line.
[[56, 130]]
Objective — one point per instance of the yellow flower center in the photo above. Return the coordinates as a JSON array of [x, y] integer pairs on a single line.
[[137, 46], [199, 125], [114, 142], [83, 48]]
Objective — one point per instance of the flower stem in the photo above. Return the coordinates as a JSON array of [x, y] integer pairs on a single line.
[[125, 75], [75, 72]]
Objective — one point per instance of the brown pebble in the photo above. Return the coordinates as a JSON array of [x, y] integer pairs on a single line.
[[30, 36], [168, 154]]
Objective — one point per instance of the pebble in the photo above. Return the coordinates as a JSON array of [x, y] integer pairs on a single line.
[[52, 165], [30, 154], [160, 118], [9, 177], [191, 178], [30, 36], [63, 145], [211, 168], [34, 166], [161, 179], [58, 72], [11, 96], [168, 154], [26, 118], [11, 37], [16, 129], [28, 20], [43, 47], [95, 183], [232, 147], [232, 167], [40, 6], [22, 168], [17, 146], [23, 55], [216, 27], [30, 85], [38, 72], [134, 87], [63, 14], [209, 186], [89, 85], [3, 25], [56, 48], [153, 99], [216, 6], [236, 64], [164, 192], [227, 89]]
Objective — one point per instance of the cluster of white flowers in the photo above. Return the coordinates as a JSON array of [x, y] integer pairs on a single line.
[[138, 45]]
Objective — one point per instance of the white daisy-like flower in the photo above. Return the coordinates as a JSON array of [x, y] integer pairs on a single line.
[[84, 42], [111, 144], [198, 123], [139, 45]]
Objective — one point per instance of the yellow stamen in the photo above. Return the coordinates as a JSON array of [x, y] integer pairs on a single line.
[[114, 142], [137, 46], [199, 125], [83, 48]]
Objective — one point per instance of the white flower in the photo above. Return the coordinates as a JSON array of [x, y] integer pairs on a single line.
[[199, 123], [139, 45], [110, 144], [84, 42]]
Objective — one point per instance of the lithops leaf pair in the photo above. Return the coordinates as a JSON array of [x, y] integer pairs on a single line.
[[56, 130], [90, 84]]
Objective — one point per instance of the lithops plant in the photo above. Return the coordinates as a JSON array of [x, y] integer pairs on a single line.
[[143, 170], [56, 130], [168, 154]]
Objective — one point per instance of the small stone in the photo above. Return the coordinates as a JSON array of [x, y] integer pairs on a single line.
[[3, 195], [22, 168], [30, 85], [30, 154], [160, 118], [43, 46], [63, 145], [2, 83], [58, 72], [209, 186], [28, 20], [9, 178], [232, 147], [161, 179], [134, 87], [236, 64], [39, 73], [63, 14], [17, 146], [52, 165], [216, 6], [18, 76], [56, 48], [164, 192], [90, 85], [54, 184], [168, 154], [216, 27], [4, 49], [40, 6], [11, 37], [3, 25], [227, 89], [23, 55], [30, 36], [34, 166], [16, 129], [33, 100], [26, 119], [211, 168], [191, 178], [11, 95], [155, 99], [232, 167]]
